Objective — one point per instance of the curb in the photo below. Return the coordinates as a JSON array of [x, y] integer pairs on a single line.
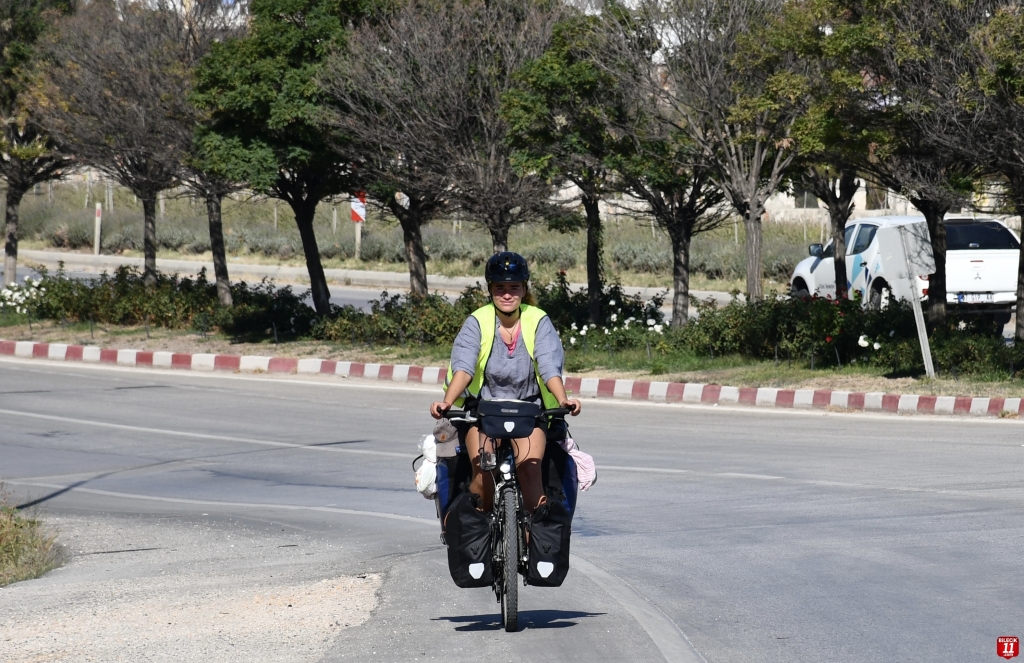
[[636, 390]]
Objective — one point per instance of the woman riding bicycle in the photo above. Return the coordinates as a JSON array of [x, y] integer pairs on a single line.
[[508, 349]]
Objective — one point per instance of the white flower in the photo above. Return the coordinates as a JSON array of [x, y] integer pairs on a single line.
[[573, 340], [862, 341], [573, 326], [606, 332], [650, 322], [631, 319], [658, 328], [593, 326], [583, 332], [611, 303], [614, 317], [892, 333], [878, 346]]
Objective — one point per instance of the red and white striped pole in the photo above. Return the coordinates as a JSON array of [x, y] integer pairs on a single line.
[[96, 230], [358, 205]]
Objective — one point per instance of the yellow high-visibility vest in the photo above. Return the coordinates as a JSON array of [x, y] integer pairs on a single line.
[[529, 320]]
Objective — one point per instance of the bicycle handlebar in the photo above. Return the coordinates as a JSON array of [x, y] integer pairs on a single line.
[[470, 416]]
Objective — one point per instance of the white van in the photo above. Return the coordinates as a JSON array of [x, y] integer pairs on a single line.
[[981, 264]]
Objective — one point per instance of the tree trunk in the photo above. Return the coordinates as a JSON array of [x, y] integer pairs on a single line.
[[680, 278], [499, 236], [317, 279], [934, 214], [595, 249], [837, 194], [755, 266], [1017, 187], [220, 259], [415, 255], [149, 238], [11, 206]]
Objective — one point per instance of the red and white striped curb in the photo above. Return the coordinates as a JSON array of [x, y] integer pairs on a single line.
[[637, 390]]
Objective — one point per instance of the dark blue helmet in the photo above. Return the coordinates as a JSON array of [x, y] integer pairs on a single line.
[[506, 267]]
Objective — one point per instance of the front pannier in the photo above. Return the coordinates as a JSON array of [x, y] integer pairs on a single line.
[[468, 535]]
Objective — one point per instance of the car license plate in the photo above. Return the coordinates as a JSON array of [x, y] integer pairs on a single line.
[[974, 297]]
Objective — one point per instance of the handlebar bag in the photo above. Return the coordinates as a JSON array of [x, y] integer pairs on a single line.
[[550, 528], [468, 536], [507, 418]]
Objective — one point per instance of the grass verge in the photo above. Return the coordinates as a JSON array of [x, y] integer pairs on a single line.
[[27, 550]]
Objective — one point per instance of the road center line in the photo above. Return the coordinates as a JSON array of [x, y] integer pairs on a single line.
[[202, 436]]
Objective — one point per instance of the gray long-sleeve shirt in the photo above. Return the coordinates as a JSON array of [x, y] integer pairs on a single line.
[[504, 376]]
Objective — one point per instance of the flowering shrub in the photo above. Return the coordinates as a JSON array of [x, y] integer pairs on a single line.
[[842, 332], [174, 302], [22, 299]]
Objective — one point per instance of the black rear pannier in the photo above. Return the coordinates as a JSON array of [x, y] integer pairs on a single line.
[[508, 418], [468, 535], [549, 545]]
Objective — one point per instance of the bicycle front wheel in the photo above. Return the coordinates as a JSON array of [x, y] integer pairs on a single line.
[[510, 566]]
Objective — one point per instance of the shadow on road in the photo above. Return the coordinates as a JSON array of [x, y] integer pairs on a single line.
[[527, 619]]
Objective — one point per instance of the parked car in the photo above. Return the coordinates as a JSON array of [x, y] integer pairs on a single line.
[[981, 264]]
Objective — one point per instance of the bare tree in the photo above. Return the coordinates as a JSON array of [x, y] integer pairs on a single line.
[[116, 94], [963, 80], [391, 96], [729, 106], [660, 165], [436, 81], [28, 156]]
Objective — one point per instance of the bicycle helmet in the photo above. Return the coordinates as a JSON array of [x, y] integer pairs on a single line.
[[506, 267]]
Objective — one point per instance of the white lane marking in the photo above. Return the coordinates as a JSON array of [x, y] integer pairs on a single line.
[[249, 505], [201, 436], [800, 482], [741, 475], [665, 633]]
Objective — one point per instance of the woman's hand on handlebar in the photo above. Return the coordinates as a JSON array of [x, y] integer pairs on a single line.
[[573, 405], [438, 408]]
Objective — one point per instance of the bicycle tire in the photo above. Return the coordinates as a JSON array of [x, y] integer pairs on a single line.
[[510, 567]]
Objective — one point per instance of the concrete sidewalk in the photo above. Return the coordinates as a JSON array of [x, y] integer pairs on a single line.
[[286, 274]]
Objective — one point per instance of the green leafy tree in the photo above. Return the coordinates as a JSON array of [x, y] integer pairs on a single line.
[[264, 104], [829, 132], [560, 118], [28, 155], [962, 68]]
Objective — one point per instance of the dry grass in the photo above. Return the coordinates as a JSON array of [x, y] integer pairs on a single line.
[[27, 550]]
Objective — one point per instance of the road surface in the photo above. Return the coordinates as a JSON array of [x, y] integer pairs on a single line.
[[712, 534]]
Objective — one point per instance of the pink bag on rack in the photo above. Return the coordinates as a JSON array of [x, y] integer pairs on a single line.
[[586, 470]]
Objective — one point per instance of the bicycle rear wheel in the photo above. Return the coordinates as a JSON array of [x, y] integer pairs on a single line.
[[510, 566]]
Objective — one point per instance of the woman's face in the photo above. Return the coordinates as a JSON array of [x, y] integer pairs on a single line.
[[507, 296]]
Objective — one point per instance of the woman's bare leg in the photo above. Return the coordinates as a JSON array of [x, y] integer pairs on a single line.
[[482, 483], [529, 453]]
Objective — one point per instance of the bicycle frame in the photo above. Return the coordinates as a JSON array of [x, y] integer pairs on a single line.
[[504, 476]]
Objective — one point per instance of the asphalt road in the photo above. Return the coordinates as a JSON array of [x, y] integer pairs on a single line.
[[755, 536]]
